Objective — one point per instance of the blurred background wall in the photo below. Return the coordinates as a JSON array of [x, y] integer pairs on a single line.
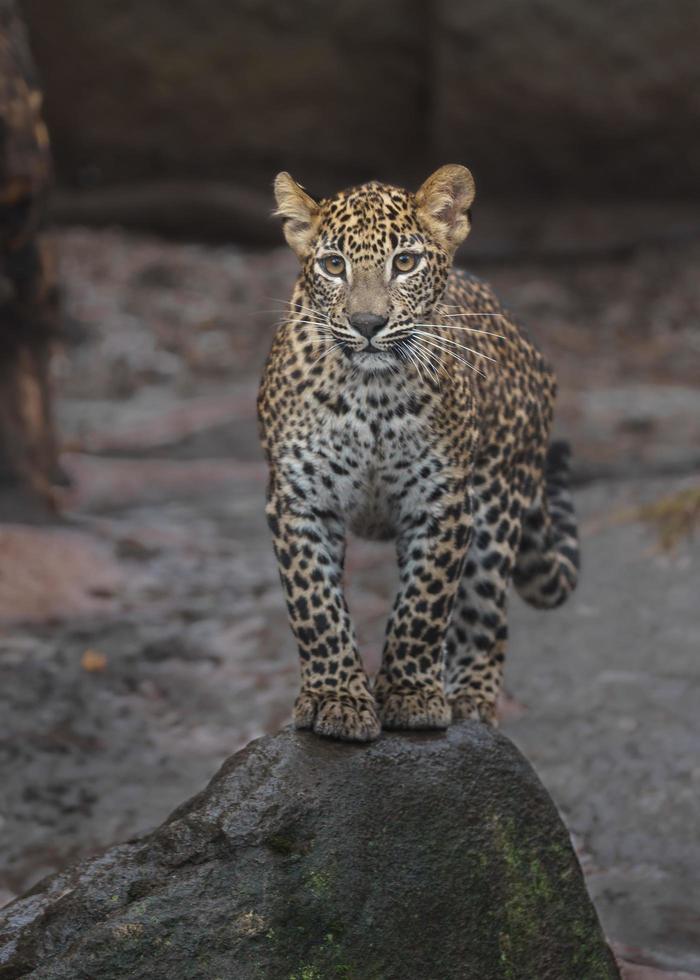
[[581, 100]]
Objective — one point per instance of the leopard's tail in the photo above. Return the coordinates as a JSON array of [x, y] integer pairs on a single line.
[[546, 569]]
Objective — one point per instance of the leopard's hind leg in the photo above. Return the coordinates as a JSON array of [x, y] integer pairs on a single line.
[[529, 537], [476, 641]]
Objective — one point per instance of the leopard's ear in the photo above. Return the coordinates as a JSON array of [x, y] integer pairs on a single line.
[[443, 203], [299, 213]]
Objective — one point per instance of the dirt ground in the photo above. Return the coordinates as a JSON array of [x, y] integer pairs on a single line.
[[143, 637]]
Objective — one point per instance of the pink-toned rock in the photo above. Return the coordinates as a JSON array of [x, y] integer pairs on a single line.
[[118, 482], [643, 970], [635, 971], [53, 574], [162, 426]]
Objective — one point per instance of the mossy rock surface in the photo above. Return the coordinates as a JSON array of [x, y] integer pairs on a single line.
[[432, 857]]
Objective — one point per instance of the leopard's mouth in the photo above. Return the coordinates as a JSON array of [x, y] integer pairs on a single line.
[[373, 359], [376, 352], [370, 348]]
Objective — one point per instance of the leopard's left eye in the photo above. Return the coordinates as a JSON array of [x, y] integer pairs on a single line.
[[405, 262]]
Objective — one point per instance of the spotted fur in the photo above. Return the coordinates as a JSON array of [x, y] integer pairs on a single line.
[[407, 405]]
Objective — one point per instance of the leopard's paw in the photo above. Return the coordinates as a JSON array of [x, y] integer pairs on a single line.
[[465, 708], [337, 715], [415, 709]]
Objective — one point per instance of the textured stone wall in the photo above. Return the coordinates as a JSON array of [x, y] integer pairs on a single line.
[[576, 97], [552, 96]]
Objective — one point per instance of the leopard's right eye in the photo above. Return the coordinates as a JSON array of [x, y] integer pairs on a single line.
[[334, 265]]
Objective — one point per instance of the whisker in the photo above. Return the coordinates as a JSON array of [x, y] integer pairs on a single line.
[[292, 307], [299, 324], [434, 356], [461, 326], [296, 309], [464, 312], [409, 353], [291, 314], [435, 360], [425, 360], [291, 303], [461, 360], [447, 340], [421, 361], [414, 358], [325, 354], [313, 328], [503, 316], [486, 333], [435, 364], [309, 330]]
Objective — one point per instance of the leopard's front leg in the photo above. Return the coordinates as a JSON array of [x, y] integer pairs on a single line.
[[431, 549], [335, 699]]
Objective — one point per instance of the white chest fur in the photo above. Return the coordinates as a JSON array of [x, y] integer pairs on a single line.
[[372, 449]]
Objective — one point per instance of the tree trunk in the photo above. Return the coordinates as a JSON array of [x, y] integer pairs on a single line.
[[28, 296]]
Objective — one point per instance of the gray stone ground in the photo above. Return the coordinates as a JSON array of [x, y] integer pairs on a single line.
[[143, 637], [612, 686]]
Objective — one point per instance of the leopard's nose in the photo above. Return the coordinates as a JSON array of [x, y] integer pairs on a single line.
[[368, 324]]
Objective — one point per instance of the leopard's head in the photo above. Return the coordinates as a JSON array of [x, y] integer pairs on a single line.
[[376, 258]]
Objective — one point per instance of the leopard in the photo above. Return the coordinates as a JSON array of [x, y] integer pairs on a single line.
[[401, 401]]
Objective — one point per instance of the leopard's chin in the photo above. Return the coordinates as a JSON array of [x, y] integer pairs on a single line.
[[373, 360]]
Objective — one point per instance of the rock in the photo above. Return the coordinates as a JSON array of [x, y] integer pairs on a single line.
[[426, 856]]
